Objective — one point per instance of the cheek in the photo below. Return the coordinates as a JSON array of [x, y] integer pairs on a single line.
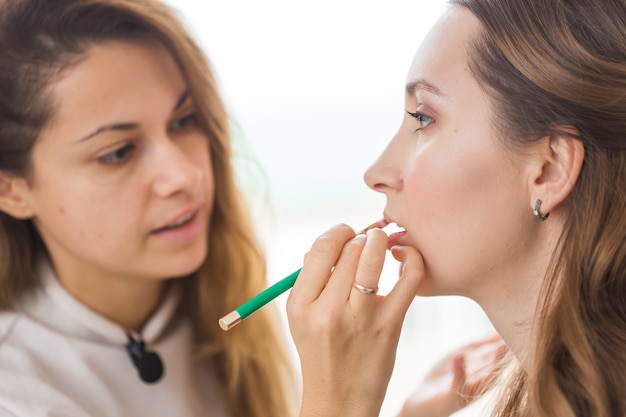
[[454, 178], [76, 211], [435, 184], [448, 204]]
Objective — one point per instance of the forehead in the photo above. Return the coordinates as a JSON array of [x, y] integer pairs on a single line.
[[120, 65], [441, 62], [115, 81]]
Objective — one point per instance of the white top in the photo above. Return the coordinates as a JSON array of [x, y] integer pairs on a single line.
[[58, 358]]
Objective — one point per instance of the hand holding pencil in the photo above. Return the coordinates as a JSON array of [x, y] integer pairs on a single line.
[[347, 335], [249, 307]]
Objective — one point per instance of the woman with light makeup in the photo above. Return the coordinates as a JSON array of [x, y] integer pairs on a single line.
[[508, 174], [123, 234]]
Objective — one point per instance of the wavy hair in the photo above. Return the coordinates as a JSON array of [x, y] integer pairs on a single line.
[[41, 38], [549, 64]]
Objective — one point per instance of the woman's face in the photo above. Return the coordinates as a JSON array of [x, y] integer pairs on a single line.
[[123, 183], [448, 179]]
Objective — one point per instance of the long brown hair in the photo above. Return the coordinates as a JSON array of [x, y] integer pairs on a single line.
[[41, 38], [548, 64]]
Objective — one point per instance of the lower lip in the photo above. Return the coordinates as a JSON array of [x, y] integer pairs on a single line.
[[186, 232], [395, 237]]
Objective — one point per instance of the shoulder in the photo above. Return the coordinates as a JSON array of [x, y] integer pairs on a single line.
[[8, 321], [6, 413], [23, 391], [25, 395], [18, 334]]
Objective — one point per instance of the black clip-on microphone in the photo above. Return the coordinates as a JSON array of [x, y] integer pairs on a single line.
[[148, 363]]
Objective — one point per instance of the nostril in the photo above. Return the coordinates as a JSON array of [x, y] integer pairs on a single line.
[[380, 187], [382, 178], [386, 183]]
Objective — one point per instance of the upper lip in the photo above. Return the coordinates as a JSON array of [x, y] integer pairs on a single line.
[[188, 212], [389, 220]]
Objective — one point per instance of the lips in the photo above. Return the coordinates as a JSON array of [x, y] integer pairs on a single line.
[[183, 218], [179, 222], [394, 231], [183, 229]]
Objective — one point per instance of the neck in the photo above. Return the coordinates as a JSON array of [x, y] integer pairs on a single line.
[[127, 301], [513, 315], [512, 302]]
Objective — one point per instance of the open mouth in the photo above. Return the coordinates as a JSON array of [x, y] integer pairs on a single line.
[[394, 232], [180, 222], [394, 228]]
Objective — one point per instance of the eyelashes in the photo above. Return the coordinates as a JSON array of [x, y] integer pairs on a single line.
[[118, 156], [123, 154], [185, 123], [423, 119]]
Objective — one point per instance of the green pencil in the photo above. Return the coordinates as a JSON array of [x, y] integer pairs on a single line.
[[249, 307]]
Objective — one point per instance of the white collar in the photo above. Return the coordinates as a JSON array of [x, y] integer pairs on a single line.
[[80, 321]]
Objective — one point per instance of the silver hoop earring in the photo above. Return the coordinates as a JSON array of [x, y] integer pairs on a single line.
[[536, 211]]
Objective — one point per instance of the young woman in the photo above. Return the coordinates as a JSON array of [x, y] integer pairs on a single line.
[[508, 174], [123, 235]]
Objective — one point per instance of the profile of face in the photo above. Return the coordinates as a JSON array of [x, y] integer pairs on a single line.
[[122, 182], [449, 180]]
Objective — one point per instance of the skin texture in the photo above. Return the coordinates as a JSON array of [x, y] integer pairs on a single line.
[[465, 199], [99, 194], [463, 196], [450, 170], [331, 322]]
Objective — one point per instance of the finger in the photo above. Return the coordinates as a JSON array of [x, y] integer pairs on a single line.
[[487, 355], [319, 262], [497, 355], [459, 381], [340, 281], [369, 268], [458, 372], [411, 274], [501, 350]]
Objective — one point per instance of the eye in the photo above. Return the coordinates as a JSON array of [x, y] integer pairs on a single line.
[[118, 156], [185, 123], [423, 119]]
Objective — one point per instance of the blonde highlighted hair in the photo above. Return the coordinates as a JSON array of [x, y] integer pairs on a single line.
[[41, 38], [548, 65]]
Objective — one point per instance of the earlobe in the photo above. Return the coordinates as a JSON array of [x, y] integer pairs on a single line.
[[14, 196], [560, 160]]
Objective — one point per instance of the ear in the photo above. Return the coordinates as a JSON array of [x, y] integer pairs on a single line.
[[14, 196], [559, 160]]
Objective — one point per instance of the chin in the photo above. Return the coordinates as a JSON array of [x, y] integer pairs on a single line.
[[181, 266]]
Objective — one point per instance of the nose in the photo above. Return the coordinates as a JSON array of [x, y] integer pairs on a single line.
[[385, 174], [175, 170]]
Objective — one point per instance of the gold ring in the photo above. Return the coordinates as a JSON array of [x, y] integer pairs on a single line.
[[365, 290]]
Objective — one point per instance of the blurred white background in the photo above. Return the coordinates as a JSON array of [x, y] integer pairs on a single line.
[[316, 90]]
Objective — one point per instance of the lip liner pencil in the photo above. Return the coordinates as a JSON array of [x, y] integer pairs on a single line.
[[249, 307]]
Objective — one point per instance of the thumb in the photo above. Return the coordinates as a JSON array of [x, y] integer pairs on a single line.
[[411, 274]]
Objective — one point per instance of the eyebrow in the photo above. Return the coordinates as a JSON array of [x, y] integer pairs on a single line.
[[131, 125], [413, 86]]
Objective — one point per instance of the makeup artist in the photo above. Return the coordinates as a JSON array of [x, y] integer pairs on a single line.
[[508, 174], [123, 234]]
